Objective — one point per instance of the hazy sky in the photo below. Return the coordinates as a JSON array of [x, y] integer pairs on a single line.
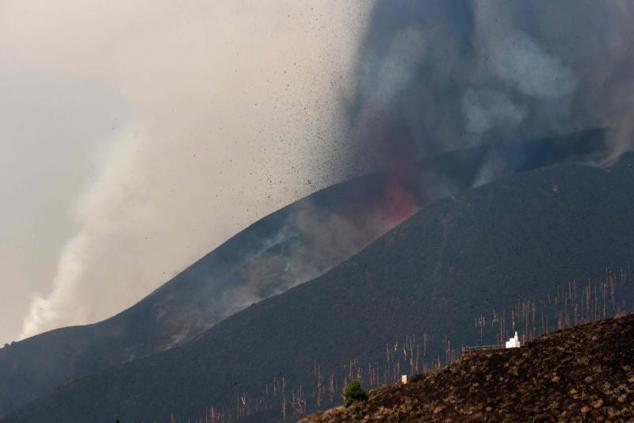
[[137, 135]]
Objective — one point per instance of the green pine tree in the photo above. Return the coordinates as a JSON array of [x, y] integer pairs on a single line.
[[353, 393]]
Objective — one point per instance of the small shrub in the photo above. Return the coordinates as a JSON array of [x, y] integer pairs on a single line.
[[354, 393]]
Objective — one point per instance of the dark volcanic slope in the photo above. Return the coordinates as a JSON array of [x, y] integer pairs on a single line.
[[282, 250], [580, 374], [268, 257], [520, 238]]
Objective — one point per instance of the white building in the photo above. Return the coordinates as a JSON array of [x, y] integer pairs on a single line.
[[514, 342]]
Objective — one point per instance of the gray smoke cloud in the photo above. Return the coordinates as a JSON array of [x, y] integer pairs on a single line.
[[485, 109], [396, 70], [231, 109], [489, 70], [313, 241], [519, 61]]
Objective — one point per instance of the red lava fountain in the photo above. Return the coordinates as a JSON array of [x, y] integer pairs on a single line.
[[399, 204]]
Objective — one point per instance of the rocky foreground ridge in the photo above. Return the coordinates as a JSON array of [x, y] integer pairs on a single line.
[[581, 374]]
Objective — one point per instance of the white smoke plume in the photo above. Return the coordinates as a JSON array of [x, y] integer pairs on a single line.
[[397, 68], [233, 112], [520, 61], [567, 62], [485, 109]]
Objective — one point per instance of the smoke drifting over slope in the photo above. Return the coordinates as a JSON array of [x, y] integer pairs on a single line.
[[232, 110]]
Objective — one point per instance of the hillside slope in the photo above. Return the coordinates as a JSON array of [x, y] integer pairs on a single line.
[[286, 248], [266, 258], [581, 374], [489, 250]]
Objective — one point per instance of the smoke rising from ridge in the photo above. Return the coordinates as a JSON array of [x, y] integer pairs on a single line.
[[232, 114]]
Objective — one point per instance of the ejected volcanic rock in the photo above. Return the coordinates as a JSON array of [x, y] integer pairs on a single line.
[[581, 374]]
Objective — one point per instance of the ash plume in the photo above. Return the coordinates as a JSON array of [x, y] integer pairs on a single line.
[[231, 109], [431, 77], [470, 73]]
